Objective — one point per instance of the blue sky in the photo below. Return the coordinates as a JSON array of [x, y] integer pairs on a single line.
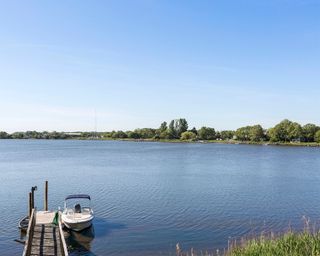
[[222, 64]]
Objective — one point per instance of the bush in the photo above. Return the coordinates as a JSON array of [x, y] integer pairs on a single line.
[[188, 136]]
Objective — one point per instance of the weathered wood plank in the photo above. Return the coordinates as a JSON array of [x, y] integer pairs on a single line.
[[47, 239]]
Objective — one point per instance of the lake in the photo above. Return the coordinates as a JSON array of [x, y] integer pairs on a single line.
[[148, 196]]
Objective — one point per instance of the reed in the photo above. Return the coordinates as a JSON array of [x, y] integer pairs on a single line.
[[290, 243]]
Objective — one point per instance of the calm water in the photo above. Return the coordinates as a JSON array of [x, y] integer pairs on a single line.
[[149, 196]]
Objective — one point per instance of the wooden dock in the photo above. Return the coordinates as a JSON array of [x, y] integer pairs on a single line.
[[43, 237]]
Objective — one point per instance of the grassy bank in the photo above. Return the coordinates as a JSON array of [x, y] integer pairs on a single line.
[[289, 244]]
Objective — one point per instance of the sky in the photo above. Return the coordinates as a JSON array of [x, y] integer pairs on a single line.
[[136, 63]]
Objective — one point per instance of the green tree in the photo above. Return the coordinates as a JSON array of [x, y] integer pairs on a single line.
[[146, 133], [243, 133], [194, 130], [207, 133], [256, 133], [163, 127], [164, 135], [18, 135], [295, 131], [4, 135], [309, 131], [119, 135], [133, 135], [285, 131], [226, 135], [188, 136], [171, 130], [317, 136], [180, 126]]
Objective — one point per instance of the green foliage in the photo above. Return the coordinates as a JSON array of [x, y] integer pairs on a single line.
[[145, 133], [285, 131], [253, 133], [171, 131], [4, 135], [256, 133], [293, 244], [207, 133], [164, 135], [317, 136], [17, 135], [163, 127], [188, 136], [133, 135], [243, 133], [176, 128], [119, 135], [309, 132], [227, 135], [181, 125], [194, 130]]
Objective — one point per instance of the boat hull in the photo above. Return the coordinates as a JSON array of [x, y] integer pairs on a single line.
[[77, 226]]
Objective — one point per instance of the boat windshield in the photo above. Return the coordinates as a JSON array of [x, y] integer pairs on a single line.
[[77, 204]]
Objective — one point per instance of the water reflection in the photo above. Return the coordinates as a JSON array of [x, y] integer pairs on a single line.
[[79, 243], [103, 228]]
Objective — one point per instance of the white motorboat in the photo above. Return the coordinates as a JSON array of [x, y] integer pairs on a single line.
[[79, 216]]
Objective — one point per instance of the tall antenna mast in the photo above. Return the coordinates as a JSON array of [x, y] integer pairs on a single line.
[[95, 124]]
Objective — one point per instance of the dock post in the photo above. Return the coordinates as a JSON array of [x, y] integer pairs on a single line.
[[30, 204], [32, 196], [46, 196]]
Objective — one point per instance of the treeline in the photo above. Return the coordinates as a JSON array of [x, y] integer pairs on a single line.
[[285, 131], [178, 129]]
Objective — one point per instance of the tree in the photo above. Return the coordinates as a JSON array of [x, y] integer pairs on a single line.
[[309, 131], [18, 135], [317, 136], [194, 130], [285, 131], [256, 133], [119, 135], [133, 135], [243, 133], [146, 133], [181, 125], [207, 133], [171, 131], [295, 131], [163, 127], [4, 135], [188, 136], [226, 135]]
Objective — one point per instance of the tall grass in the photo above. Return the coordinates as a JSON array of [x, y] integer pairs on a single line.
[[304, 243], [289, 244]]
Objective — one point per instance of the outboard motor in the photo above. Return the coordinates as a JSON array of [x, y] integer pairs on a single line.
[[77, 208]]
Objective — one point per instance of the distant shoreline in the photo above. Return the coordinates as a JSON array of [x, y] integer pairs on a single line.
[[234, 142]]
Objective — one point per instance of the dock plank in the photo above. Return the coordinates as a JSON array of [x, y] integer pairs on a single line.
[[46, 236]]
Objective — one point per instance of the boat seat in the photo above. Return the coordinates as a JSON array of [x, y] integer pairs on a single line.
[[77, 208]]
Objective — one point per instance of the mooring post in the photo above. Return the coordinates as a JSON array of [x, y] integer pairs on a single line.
[[32, 195], [46, 196], [30, 204]]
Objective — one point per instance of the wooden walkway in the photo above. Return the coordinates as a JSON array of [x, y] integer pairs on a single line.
[[44, 238]]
